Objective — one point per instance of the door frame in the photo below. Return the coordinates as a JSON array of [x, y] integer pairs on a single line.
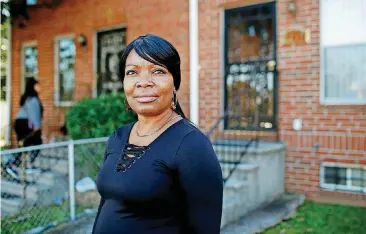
[[224, 56], [95, 53]]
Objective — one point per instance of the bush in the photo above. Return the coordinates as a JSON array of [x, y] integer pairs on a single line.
[[98, 117]]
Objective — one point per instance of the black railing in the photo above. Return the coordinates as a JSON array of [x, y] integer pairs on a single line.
[[234, 145]]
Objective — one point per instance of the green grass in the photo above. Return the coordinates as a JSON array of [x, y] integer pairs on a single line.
[[318, 218], [35, 217]]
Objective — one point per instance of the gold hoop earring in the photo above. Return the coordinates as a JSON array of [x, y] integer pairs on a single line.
[[127, 106], [174, 101]]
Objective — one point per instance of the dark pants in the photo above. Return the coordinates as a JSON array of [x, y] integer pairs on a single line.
[[23, 133]]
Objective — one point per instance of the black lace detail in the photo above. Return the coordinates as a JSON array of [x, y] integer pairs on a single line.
[[129, 155]]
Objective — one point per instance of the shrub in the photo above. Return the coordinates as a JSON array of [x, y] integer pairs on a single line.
[[98, 117]]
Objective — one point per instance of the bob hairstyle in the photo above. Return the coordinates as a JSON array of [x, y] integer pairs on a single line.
[[157, 51]]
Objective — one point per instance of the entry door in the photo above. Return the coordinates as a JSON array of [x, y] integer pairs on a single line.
[[250, 67], [111, 45]]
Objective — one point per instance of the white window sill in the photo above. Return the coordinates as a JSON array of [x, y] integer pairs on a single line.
[[334, 102], [333, 187], [64, 104]]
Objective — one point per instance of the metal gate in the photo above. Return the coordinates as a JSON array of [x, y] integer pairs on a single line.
[[250, 67]]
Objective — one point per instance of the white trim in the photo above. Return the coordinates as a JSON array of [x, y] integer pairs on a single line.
[[335, 164], [323, 99], [321, 72], [95, 52], [336, 101], [8, 84], [57, 101], [349, 176], [95, 64], [222, 64], [193, 62], [22, 71], [348, 186]]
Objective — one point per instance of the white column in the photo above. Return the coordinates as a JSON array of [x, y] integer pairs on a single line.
[[8, 88], [193, 61]]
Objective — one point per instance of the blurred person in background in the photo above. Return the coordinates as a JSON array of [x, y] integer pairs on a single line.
[[160, 175], [27, 125]]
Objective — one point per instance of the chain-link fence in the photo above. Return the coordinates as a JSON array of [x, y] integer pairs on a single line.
[[89, 155], [35, 185]]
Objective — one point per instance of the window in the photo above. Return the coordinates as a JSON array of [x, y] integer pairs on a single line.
[[343, 49], [343, 177], [29, 63], [64, 75]]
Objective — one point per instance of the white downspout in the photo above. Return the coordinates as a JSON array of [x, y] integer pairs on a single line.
[[193, 61], [8, 84]]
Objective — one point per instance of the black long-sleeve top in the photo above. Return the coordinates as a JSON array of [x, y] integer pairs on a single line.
[[172, 186]]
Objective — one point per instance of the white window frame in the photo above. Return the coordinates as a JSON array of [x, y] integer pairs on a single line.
[[348, 186], [56, 71], [324, 100], [22, 58]]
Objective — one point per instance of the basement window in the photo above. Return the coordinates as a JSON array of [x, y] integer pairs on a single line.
[[346, 177]]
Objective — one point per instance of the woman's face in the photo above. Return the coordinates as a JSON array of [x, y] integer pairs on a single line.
[[148, 87]]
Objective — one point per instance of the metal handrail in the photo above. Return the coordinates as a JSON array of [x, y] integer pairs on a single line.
[[53, 145], [225, 115]]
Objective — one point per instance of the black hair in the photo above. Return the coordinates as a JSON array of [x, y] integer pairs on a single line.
[[29, 90], [157, 51]]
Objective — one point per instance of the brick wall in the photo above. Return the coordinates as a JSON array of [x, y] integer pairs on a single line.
[[166, 18], [340, 131]]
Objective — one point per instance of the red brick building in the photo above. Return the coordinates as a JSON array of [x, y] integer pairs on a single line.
[[295, 59]]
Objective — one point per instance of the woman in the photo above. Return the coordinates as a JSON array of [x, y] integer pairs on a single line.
[[27, 124], [160, 175]]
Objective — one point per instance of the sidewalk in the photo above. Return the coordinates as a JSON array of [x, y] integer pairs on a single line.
[[254, 222]]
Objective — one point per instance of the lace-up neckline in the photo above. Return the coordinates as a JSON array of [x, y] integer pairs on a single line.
[[129, 155], [131, 152]]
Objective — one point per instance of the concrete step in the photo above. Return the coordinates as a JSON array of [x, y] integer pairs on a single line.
[[41, 177], [241, 171], [56, 153], [15, 188], [11, 206], [234, 207], [235, 186], [266, 216], [230, 150], [57, 165], [35, 194]]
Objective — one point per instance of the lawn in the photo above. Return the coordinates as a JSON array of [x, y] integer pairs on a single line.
[[318, 218], [35, 217]]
